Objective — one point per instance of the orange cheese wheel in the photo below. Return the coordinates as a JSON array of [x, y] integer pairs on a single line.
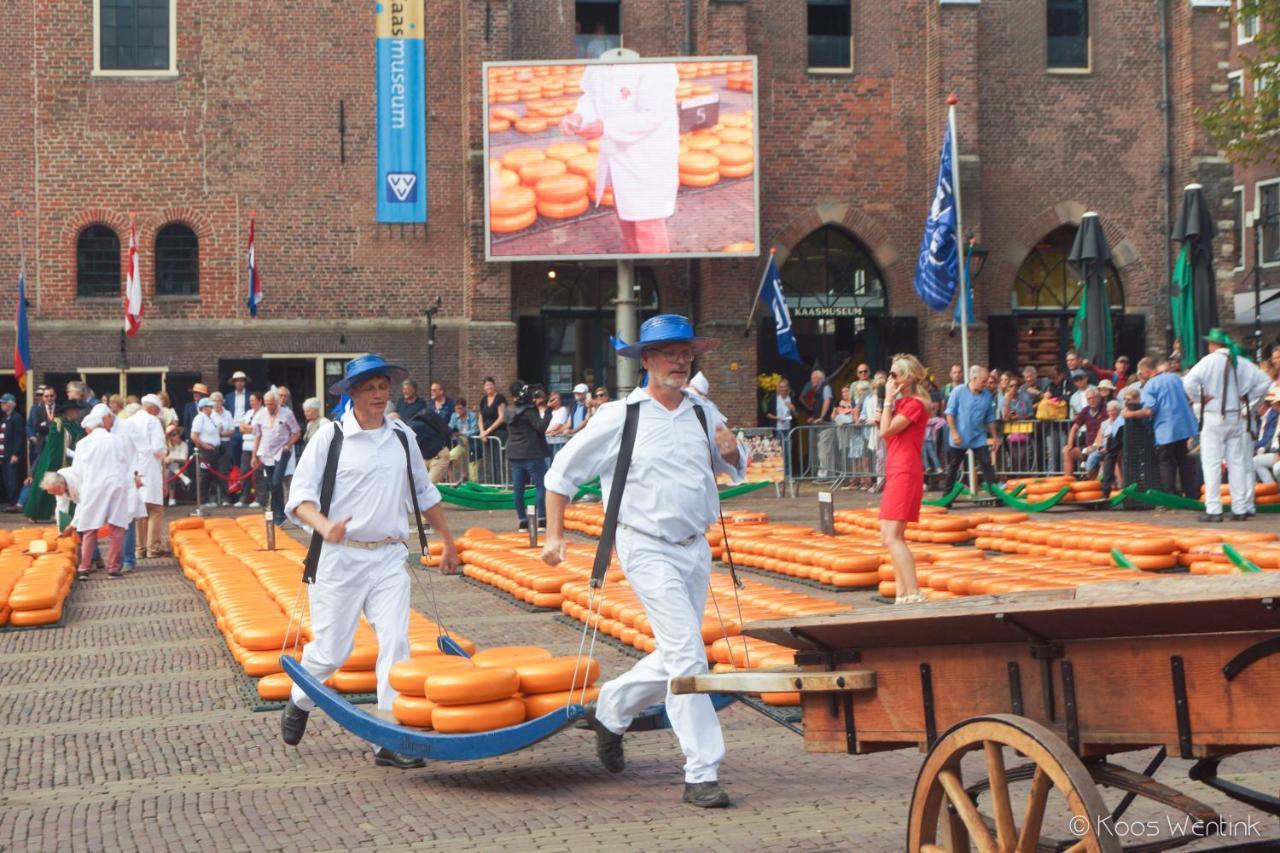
[[37, 596], [545, 703], [497, 125], [511, 224], [737, 135], [254, 664], [361, 681], [561, 189], [557, 674], [699, 180], [517, 157], [699, 163], [275, 688], [701, 142], [784, 699], [39, 616], [484, 717], [555, 210], [853, 580], [736, 171], [584, 164], [410, 676], [472, 686], [566, 151], [512, 201], [412, 711], [731, 154], [506, 179], [363, 657], [531, 125], [534, 172], [504, 114], [180, 524], [509, 656], [549, 600]]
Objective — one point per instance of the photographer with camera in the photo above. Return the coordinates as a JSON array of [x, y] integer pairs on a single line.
[[527, 449]]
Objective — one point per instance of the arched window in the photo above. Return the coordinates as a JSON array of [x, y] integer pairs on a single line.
[[177, 261], [830, 274], [98, 262], [1047, 281]]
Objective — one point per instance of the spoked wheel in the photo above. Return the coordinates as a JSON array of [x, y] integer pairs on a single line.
[[944, 817]]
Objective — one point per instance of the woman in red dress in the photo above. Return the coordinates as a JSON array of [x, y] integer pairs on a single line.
[[902, 426]]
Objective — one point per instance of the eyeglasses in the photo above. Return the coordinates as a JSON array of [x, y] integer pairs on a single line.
[[670, 354]]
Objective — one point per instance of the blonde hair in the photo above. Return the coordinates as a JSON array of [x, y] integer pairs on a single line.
[[907, 365]]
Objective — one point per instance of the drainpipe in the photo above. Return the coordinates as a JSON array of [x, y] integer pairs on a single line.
[[693, 272], [1166, 165]]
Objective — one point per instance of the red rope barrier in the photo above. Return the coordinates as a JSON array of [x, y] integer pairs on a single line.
[[178, 473]]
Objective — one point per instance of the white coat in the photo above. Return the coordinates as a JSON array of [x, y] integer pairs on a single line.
[[102, 466], [143, 430], [640, 150], [71, 496]]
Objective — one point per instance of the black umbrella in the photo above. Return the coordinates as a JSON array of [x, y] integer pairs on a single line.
[[1090, 255], [1194, 298]]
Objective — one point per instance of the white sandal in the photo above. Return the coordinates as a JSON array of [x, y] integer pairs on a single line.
[[911, 598]]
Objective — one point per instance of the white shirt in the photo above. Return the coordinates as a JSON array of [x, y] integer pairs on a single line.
[[225, 420], [147, 436], [371, 485], [1078, 402], [236, 402], [1206, 379], [205, 428], [559, 417], [782, 411], [105, 476], [71, 496], [671, 490]]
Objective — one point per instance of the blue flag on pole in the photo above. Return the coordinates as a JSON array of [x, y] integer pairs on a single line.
[[772, 294], [937, 269], [967, 290]]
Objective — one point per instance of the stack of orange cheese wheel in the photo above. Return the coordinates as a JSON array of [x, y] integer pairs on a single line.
[[409, 679], [484, 696], [1264, 494], [508, 563], [562, 196], [699, 168], [39, 585]]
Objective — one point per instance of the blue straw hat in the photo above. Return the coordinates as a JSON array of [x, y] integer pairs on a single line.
[[364, 366], [666, 329]]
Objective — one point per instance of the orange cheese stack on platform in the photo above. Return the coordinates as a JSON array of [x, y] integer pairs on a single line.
[[563, 195], [736, 160], [549, 684], [1149, 546], [1264, 494], [479, 698], [36, 597], [699, 168], [512, 209], [411, 707], [1036, 489], [508, 563]]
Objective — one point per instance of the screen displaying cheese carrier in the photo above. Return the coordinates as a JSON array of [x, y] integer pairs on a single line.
[[640, 158]]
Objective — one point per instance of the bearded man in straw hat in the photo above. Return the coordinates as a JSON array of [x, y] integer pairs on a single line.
[[1228, 387], [670, 500]]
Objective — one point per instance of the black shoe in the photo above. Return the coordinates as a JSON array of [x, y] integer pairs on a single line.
[[524, 524], [608, 744], [390, 758], [1215, 517], [1240, 516], [706, 795], [293, 723]]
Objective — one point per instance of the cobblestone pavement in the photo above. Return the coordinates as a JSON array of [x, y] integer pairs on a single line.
[[125, 730]]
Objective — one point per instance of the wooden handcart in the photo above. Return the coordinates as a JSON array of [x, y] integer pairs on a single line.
[[1040, 689]]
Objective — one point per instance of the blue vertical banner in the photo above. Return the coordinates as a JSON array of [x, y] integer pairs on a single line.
[[402, 111], [937, 267]]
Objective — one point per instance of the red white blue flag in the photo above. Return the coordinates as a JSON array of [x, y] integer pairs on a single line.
[[21, 340], [132, 288], [255, 282]]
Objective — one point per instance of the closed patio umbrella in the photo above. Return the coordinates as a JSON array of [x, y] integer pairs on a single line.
[[1194, 298], [1090, 254]]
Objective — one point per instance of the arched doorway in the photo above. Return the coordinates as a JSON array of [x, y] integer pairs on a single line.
[[568, 342], [1044, 299], [839, 309]]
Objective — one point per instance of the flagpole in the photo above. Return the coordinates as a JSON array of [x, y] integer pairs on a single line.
[[962, 264], [26, 384], [746, 333]]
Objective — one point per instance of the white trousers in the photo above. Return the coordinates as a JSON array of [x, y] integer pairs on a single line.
[[1225, 439], [348, 581], [671, 582], [1264, 467]]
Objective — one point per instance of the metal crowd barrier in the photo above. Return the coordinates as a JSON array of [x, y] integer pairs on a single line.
[[493, 469], [833, 455], [1031, 447]]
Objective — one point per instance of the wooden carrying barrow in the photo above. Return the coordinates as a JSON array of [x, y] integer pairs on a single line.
[[1039, 689]]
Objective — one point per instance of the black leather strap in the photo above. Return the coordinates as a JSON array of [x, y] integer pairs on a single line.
[[312, 562], [604, 549], [413, 490]]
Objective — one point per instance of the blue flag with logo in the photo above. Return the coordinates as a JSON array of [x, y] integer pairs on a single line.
[[400, 75], [771, 292], [937, 269]]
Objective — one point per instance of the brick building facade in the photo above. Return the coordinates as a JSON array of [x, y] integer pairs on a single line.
[[271, 111]]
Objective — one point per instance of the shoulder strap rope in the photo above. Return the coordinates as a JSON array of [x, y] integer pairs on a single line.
[[604, 550], [312, 561], [443, 639]]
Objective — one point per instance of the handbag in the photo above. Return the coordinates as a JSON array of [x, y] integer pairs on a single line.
[[1051, 409]]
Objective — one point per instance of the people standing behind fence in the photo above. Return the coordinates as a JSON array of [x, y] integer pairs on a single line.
[[527, 451], [781, 412], [1080, 385], [410, 403], [249, 487], [1018, 416], [820, 401], [558, 427], [207, 437], [177, 473], [971, 426], [440, 402], [933, 428], [1266, 450], [13, 451], [1164, 402], [275, 431], [313, 414], [434, 440], [955, 378], [493, 424], [198, 392], [580, 411], [1083, 432], [464, 424]]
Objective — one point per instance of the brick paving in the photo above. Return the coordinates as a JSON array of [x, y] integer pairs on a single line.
[[124, 730]]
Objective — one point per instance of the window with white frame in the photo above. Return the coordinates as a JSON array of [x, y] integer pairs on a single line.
[[1235, 84], [1246, 28], [1237, 228], [135, 38], [1267, 201]]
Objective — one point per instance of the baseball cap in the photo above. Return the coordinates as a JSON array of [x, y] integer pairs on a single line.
[[7, 398], [581, 388], [1079, 374]]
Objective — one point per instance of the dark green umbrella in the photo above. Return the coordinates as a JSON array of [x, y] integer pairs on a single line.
[[1090, 255], [1194, 297]]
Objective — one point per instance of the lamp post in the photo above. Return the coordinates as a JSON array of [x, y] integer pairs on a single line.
[[431, 338], [973, 250]]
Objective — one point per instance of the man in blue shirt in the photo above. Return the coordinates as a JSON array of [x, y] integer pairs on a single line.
[[1165, 401], [971, 416]]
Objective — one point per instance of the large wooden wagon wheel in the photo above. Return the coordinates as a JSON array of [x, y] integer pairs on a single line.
[[946, 818]]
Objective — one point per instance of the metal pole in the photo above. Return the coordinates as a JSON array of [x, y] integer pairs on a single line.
[[962, 264], [624, 323], [271, 530], [199, 464], [1257, 288]]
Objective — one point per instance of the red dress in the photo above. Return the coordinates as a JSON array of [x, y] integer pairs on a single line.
[[904, 465]]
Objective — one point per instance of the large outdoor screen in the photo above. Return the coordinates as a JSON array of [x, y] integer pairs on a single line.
[[591, 160]]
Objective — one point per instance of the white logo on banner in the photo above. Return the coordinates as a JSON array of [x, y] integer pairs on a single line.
[[401, 184]]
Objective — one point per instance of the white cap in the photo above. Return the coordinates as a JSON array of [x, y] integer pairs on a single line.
[[581, 388], [700, 383], [94, 419], [152, 400]]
